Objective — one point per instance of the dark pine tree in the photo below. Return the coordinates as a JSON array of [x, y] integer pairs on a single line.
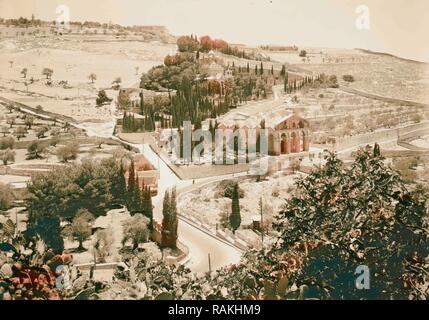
[[170, 220], [235, 217], [147, 207]]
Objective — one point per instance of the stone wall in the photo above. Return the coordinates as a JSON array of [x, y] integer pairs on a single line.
[[382, 136]]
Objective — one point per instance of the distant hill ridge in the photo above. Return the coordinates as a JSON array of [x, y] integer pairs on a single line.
[[27, 27], [390, 55]]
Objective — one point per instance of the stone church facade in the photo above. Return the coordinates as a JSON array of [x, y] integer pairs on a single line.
[[289, 135]]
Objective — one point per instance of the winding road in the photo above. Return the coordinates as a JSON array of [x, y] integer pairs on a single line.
[[200, 243]]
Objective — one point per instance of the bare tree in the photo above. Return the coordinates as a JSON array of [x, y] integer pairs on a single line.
[[92, 77], [7, 156], [81, 227], [117, 83], [68, 152], [4, 130], [47, 72], [40, 132], [29, 121], [295, 165], [24, 72], [20, 132], [10, 120]]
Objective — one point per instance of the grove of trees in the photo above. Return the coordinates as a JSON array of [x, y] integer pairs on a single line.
[[342, 218]]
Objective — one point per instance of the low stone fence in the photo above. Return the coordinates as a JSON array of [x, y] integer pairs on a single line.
[[224, 235], [38, 113], [99, 266], [27, 170], [386, 99], [381, 136]]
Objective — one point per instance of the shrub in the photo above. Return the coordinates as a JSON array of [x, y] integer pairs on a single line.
[[102, 98], [35, 150], [348, 78], [7, 143], [68, 152], [7, 156], [6, 197], [136, 230], [226, 189]]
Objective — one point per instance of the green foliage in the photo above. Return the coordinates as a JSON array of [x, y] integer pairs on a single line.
[[363, 214], [102, 98], [226, 189], [92, 77], [49, 230], [136, 229], [47, 72], [133, 195], [29, 121], [323, 81], [147, 206], [7, 156], [68, 152], [118, 187], [81, 226], [170, 220], [28, 271], [7, 230], [20, 132], [6, 197], [130, 124], [62, 192], [102, 244], [197, 98], [187, 44], [283, 71], [340, 218], [235, 217], [35, 150], [124, 101], [348, 78], [257, 276], [178, 59]]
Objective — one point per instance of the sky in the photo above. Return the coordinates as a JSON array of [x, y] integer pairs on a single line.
[[400, 27]]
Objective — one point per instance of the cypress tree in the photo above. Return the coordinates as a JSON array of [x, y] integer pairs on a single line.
[[235, 217], [141, 103], [147, 207], [170, 220], [131, 177], [283, 71], [248, 68], [377, 151], [262, 69], [133, 191], [119, 187]]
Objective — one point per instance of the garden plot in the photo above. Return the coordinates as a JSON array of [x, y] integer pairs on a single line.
[[209, 207]]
